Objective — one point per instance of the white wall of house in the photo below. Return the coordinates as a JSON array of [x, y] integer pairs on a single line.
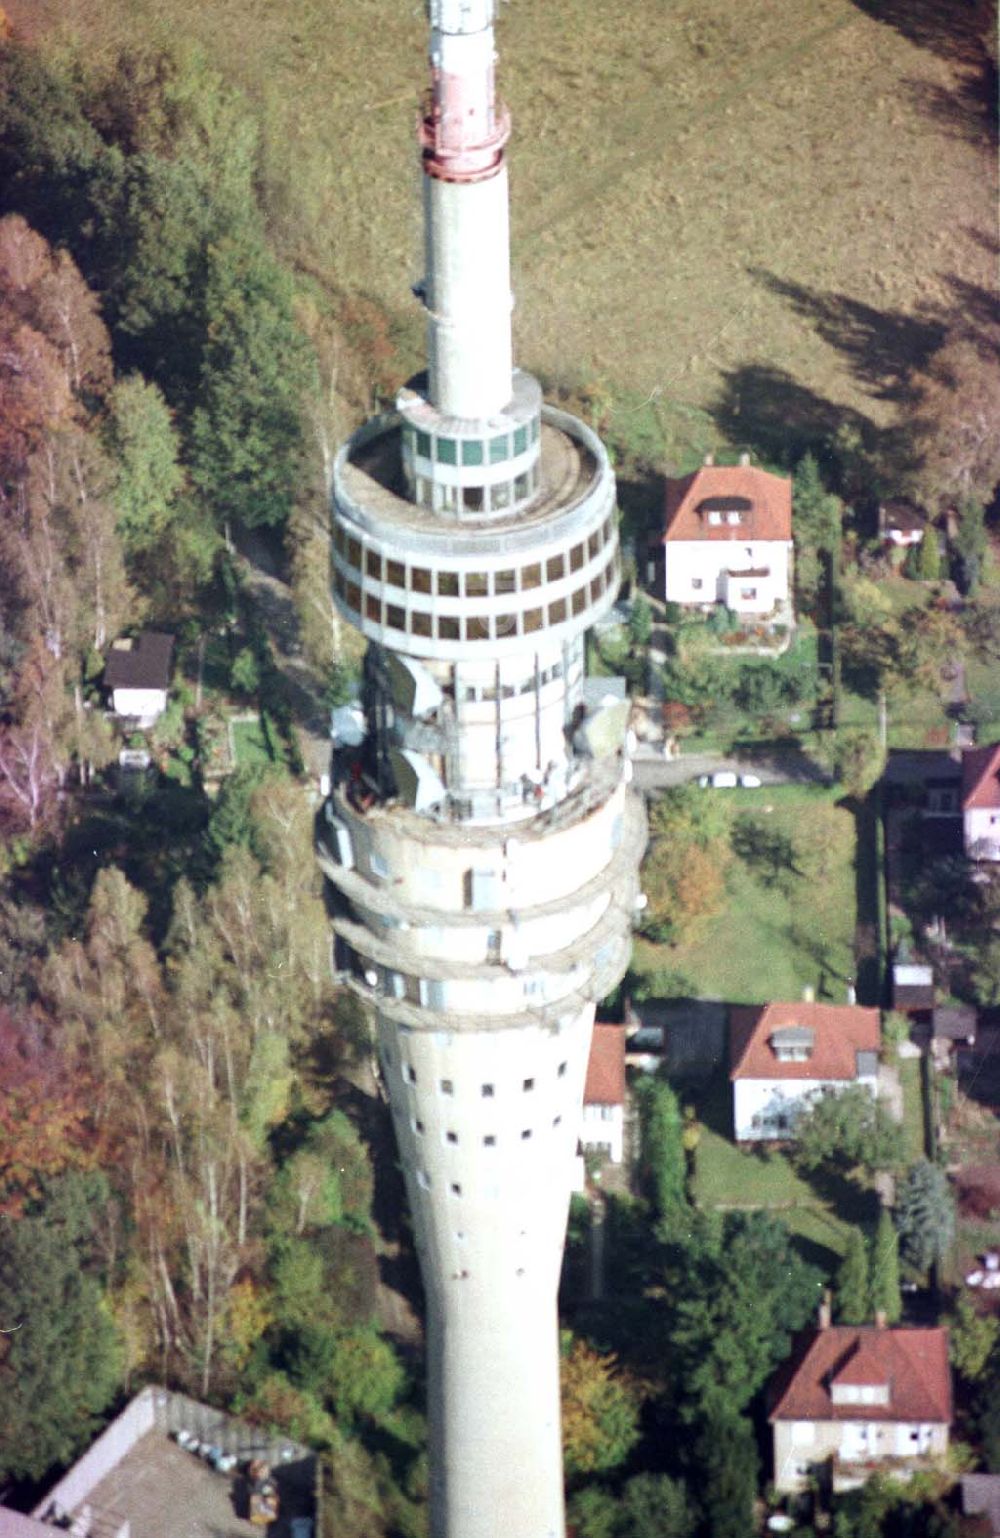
[[143, 705], [769, 1108], [981, 828], [602, 1127], [800, 1444], [697, 572]]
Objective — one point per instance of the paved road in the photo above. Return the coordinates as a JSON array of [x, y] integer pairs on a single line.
[[652, 772]]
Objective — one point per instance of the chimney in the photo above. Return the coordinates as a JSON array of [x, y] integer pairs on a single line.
[[744, 459], [709, 459], [825, 1312], [809, 994], [881, 1322]]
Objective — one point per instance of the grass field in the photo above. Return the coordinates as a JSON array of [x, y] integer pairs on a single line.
[[748, 220], [775, 938]]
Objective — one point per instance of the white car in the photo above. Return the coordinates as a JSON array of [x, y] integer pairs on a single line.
[[723, 779], [751, 781]]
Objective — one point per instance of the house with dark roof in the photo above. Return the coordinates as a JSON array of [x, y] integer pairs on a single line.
[[602, 1126], [728, 539], [137, 672], [781, 1056], [860, 1400], [981, 802], [901, 523]]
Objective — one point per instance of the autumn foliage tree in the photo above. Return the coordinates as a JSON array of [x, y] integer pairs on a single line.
[[684, 872], [600, 1415]]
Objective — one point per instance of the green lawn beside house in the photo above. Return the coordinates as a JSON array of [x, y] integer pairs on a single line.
[[818, 1214], [774, 938]]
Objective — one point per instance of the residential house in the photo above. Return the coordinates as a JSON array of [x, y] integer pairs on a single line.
[[901, 523], [783, 1055], [860, 1400], [981, 802], [137, 672], [728, 539], [602, 1127]]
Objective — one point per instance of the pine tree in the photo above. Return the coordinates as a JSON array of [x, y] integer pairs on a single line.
[[663, 1158], [885, 1296], [930, 556], [852, 1281]]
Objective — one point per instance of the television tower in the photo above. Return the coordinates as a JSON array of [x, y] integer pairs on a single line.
[[480, 837]]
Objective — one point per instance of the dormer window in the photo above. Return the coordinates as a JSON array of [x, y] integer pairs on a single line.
[[859, 1393], [715, 518], [793, 1043], [734, 516]]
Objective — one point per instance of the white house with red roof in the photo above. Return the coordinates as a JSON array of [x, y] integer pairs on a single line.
[[981, 802], [728, 539], [602, 1126], [863, 1399], [781, 1056]]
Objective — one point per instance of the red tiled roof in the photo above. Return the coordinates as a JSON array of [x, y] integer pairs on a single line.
[[606, 1069], [981, 777], [840, 1032], [914, 1363], [769, 515]]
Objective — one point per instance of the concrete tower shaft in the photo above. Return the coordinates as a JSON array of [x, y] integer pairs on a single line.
[[481, 842]]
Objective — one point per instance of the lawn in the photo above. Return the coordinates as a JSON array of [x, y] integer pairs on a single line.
[[778, 933], [913, 1109], [250, 744], [761, 212], [730, 1177]]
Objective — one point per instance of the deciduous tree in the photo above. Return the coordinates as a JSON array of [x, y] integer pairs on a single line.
[[600, 1417]]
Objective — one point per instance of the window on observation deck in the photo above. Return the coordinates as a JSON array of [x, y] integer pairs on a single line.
[[522, 486], [373, 608], [579, 600], [424, 444], [557, 611], [477, 584], [505, 581], [532, 620], [420, 579], [499, 449], [448, 628], [395, 617], [536, 427], [395, 574], [576, 558], [472, 451], [500, 494], [531, 576], [420, 623], [373, 564], [354, 553], [447, 451], [477, 628], [352, 596], [594, 544], [520, 440], [555, 568], [447, 584]]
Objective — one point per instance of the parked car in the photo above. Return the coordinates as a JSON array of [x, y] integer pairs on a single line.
[[722, 779], [751, 781]]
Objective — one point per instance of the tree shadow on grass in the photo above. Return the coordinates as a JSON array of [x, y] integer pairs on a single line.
[[883, 347], [952, 29], [770, 412]]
